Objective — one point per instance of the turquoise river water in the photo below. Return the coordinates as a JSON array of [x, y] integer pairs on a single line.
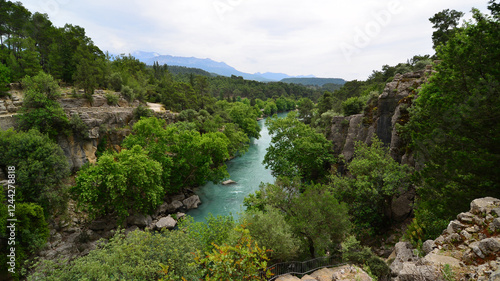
[[248, 172]]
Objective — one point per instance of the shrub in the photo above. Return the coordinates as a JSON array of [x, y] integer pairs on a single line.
[[128, 93], [352, 106], [120, 182], [137, 256], [112, 99], [40, 165], [352, 251], [31, 234], [142, 111], [115, 81], [78, 127], [271, 231], [243, 261]]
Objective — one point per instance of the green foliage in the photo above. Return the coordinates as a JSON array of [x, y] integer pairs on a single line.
[[353, 252], [374, 179], [120, 182], [115, 81], [448, 273], [270, 229], [314, 214], [445, 23], [112, 99], [137, 256], [244, 116], [352, 106], [452, 125], [142, 111], [40, 109], [78, 127], [31, 231], [4, 79], [244, 260], [216, 230], [296, 150], [187, 158], [40, 166], [305, 107], [128, 93], [320, 218]]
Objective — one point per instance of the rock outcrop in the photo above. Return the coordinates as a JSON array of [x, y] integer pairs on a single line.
[[346, 272], [470, 246], [380, 118], [104, 122]]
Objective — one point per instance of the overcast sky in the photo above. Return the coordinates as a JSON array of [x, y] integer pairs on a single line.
[[325, 38]]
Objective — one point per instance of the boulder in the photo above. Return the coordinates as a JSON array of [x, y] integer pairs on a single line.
[[435, 259], [139, 220], [228, 182], [455, 227], [402, 206], [484, 205], [489, 246], [287, 277], [495, 224], [166, 222], [412, 272], [192, 202], [162, 209], [404, 253], [178, 197], [428, 246], [174, 206], [466, 218]]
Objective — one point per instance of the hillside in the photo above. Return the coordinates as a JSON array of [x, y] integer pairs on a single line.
[[314, 81]]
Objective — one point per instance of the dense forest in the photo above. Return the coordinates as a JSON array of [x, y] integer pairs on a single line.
[[319, 205]]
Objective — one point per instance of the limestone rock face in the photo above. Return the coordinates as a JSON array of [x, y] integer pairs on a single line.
[[380, 119], [470, 246]]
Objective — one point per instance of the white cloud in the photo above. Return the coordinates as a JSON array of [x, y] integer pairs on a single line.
[[290, 36]]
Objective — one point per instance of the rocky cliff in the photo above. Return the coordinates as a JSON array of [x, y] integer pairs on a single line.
[[380, 118], [469, 249], [105, 123]]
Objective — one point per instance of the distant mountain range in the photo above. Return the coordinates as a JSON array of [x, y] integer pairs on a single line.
[[222, 68]]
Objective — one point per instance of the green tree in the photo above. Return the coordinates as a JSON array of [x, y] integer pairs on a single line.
[[270, 229], [40, 166], [445, 23], [305, 107], [453, 122], [120, 182], [4, 79], [297, 150], [191, 158], [314, 215], [352, 106], [32, 232], [244, 260], [374, 178], [139, 255], [216, 230], [40, 108], [244, 116]]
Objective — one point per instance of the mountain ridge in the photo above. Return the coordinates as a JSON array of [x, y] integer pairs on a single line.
[[209, 65]]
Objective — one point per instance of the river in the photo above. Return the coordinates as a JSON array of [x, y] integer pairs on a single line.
[[247, 171]]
